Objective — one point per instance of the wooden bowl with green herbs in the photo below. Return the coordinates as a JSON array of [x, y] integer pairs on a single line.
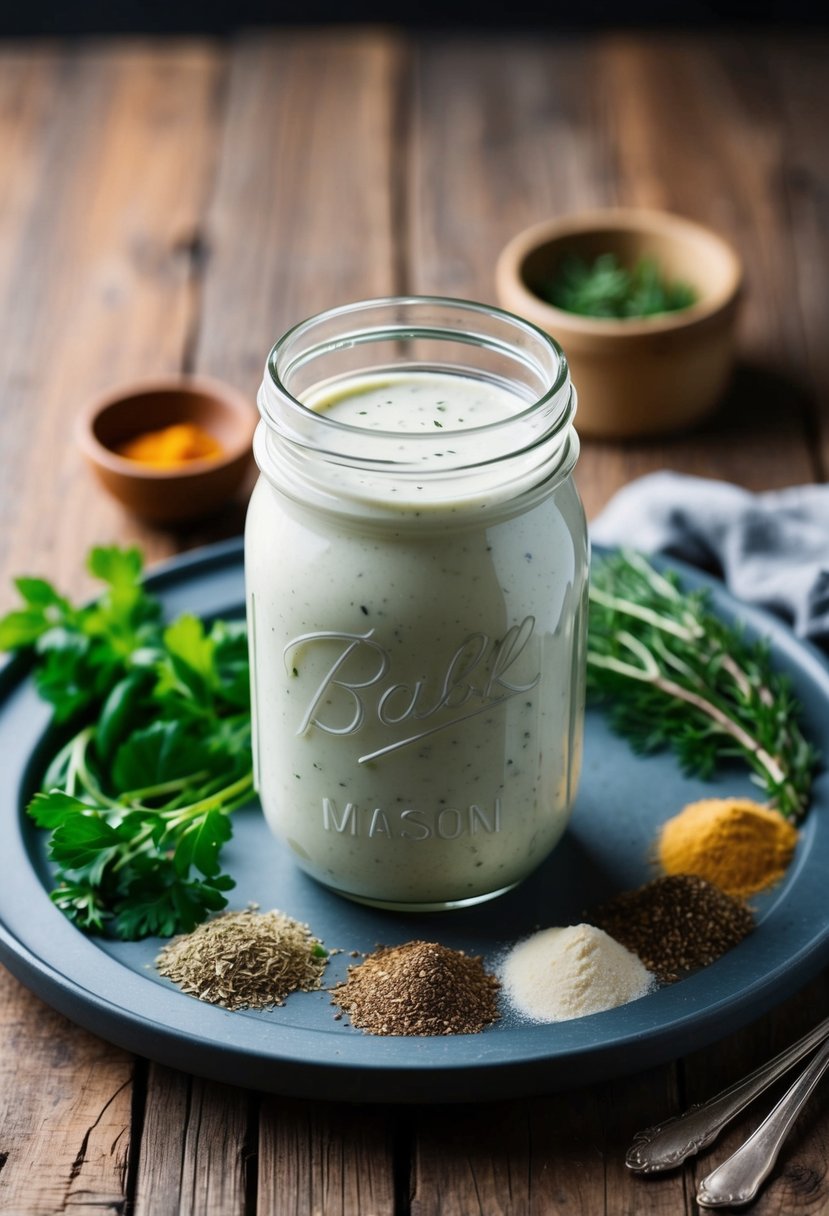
[[644, 304]]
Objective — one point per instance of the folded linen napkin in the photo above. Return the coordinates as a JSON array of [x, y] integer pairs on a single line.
[[772, 549]]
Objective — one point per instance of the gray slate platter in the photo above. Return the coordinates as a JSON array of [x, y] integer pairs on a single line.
[[112, 988]]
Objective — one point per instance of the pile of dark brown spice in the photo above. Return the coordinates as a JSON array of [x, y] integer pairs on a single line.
[[676, 924], [245, 960], [419, 988]]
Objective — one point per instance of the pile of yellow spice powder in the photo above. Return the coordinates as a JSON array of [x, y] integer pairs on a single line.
[[735, 843]]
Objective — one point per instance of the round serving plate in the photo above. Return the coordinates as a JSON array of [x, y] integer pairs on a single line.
[[113, 989]]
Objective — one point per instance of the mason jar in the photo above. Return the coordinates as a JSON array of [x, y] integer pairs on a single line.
[[416, 565]]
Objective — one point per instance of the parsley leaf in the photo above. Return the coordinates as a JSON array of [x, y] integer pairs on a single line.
[[138, 799], [199, 842]]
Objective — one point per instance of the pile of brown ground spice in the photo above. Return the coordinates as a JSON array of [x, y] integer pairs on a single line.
[[420, 988], [245, 960], [676, 924]]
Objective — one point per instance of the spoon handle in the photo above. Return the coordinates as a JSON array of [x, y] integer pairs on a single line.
[[666, 1145], [740, 1177]]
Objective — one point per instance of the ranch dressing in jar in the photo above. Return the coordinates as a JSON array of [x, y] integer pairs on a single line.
[[416, 564]]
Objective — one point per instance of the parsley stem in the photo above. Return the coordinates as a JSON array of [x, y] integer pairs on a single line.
[[173, 786], [76, 751], [220, 801], [137, 845], [84, 773], [185, 798]]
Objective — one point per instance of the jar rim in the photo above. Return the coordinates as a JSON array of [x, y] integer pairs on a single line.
[[410, 330]]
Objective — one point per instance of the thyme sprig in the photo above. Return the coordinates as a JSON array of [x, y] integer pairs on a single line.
[[675, 675]]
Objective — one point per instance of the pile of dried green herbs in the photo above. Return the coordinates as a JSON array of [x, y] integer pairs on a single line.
[[245, 960]]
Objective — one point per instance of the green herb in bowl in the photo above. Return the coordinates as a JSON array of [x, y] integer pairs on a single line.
[[606, 288]]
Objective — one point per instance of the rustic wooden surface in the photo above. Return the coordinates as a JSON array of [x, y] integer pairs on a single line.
[[174, 206]]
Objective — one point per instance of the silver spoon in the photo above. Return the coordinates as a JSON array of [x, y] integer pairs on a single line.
[[740, 1177], [668, 1144]]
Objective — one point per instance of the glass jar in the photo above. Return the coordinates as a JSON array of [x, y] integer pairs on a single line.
[[416, 568]]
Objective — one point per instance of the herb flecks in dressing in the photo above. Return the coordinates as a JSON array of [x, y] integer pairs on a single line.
[[414, 403]]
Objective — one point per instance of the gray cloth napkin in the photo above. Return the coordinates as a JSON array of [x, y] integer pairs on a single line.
[[772, 549]]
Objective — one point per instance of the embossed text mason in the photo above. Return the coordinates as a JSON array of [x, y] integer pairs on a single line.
[[416, 563]]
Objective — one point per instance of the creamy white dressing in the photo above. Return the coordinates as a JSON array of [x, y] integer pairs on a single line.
[[434, 430], [418, 693], [415, 402]]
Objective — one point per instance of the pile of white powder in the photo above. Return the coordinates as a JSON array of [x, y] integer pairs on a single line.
[[559, 974]]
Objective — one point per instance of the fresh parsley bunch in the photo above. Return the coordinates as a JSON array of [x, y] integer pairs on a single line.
[[158, 754], [675, 675]]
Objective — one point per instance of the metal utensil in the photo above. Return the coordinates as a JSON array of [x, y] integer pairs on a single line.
[[740, 1177], [666, 1145]]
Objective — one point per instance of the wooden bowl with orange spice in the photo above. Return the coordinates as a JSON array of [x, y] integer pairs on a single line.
[[170, 450]]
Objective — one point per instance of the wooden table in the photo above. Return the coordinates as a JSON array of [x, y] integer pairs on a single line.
[[173, 206]]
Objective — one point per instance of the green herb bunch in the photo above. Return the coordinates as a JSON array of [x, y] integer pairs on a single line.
[[605, 288], [158, 717], [674, 675]]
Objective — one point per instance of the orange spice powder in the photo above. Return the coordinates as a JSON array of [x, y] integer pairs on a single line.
[[172, 446]]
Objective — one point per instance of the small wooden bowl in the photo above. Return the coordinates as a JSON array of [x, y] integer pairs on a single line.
[[194, 489], [636, 376]]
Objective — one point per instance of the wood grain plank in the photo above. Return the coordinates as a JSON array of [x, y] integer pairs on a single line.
[[112, 282], [800, 1181], [193, 1151], [28, 91], [694, 129], [485, 1160], [628, 1105], [797, 72], [302, 215], [505, 134], [324, 1159], [111, 154], [551, 125], [64, 1112], [537, 129], [106, 159], [302, 219], [544, 1157]]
